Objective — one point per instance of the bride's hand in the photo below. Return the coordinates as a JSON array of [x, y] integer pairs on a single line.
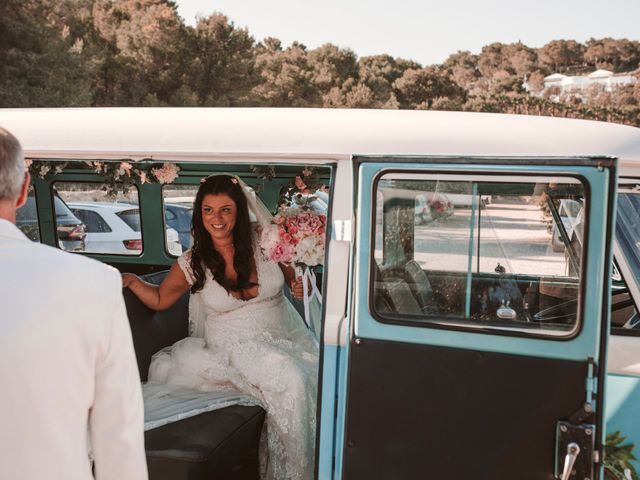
[[128, 279], [297, 289]]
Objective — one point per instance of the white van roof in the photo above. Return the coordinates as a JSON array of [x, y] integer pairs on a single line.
[[281, 134]]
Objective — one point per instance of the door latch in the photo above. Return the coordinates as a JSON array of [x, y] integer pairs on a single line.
[[575, 451]]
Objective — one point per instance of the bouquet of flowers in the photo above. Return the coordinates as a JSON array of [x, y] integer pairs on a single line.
[[296, 237]]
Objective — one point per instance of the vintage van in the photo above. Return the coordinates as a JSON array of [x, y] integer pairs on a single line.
[[466, 347]]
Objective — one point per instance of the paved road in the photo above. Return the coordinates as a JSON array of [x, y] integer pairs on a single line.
[[512, 234]]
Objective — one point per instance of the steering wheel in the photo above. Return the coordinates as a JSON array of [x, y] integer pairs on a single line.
[[564, 312]]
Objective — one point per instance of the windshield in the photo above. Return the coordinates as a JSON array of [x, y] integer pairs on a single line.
[[131, 218], [628, 230]]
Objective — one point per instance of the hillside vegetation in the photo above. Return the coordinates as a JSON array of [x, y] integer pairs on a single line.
[[141, 53]]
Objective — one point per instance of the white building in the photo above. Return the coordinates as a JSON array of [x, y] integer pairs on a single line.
[[608, 81]]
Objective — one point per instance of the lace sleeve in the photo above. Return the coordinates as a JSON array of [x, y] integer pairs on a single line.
[[184, 261]]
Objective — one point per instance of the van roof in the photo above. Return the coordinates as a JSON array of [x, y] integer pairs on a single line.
[[114, 207], [281, 134]]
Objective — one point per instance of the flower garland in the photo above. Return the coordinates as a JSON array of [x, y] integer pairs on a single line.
[[302, 192], [298, 193], [119, 176]]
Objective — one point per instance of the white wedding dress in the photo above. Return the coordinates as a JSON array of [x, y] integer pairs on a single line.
[[258, 347]]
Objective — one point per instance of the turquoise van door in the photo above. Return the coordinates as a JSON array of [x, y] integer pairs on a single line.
[[479, 319]]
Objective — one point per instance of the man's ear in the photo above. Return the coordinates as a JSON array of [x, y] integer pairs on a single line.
[[24, 191]]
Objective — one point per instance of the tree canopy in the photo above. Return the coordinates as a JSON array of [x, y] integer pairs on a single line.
[[141, 53]]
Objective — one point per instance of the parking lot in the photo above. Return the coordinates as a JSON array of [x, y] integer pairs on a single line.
[[513, 232]]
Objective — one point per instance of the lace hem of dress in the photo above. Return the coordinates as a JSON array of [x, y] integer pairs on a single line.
[[164, 403]]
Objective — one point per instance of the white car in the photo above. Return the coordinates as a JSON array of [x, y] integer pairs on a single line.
[[115, 228]]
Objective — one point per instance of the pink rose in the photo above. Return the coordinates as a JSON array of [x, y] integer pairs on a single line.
[[303, 222], [291, 222], [125, 167], [314, 224], [282, 253], [166, 174]]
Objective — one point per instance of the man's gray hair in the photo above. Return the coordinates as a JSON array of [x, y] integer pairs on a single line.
[[11, 166]]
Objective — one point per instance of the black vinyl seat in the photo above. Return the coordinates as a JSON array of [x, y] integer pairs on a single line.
[[420, 286], [393, 295], [222, 444], [402, 297], [217, 445], [152, 331]]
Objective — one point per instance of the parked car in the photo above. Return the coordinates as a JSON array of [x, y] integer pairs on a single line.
[[178, 217], [186, 201], [71, 231], [115, 228]]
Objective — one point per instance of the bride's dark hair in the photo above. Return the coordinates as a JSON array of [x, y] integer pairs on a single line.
[[204, 256]]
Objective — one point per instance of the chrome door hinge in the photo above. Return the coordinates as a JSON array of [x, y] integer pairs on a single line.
[[342, 229], [591, 382]]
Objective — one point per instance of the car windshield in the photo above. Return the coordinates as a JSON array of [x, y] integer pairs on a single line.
[[61, 208], [628, 230], [131, 217]]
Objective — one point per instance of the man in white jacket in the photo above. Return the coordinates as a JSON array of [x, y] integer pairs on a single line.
[[67, 364]]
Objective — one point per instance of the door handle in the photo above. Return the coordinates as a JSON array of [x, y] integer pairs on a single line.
[[569, 460]]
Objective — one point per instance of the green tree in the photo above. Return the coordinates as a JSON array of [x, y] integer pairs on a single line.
[[41, 65], [286, 76], [503, 68], [463, 69], [559, 55], [352, 94], [611, 54], [418, 88], [145, 50], [377, 73], [332, 66], [522, 60], [222, 63]]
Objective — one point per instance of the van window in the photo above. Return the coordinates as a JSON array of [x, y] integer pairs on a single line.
[[111, 224], [178, 210], [94, 223], [628, 229], [479, 252], [27, 218], [131, 217], [624, 317]]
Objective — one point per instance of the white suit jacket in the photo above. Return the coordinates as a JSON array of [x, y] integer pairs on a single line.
[[66, 363]]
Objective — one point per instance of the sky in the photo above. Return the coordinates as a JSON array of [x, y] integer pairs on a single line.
[[426, 31]]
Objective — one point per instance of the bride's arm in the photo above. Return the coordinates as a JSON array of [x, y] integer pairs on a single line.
[[158, 297], [295, 284]]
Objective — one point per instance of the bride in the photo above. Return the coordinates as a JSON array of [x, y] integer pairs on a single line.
[[253, 341]]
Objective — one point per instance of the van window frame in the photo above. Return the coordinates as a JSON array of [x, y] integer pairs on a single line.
[[103, 256], [626, 185], [406, 321]]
